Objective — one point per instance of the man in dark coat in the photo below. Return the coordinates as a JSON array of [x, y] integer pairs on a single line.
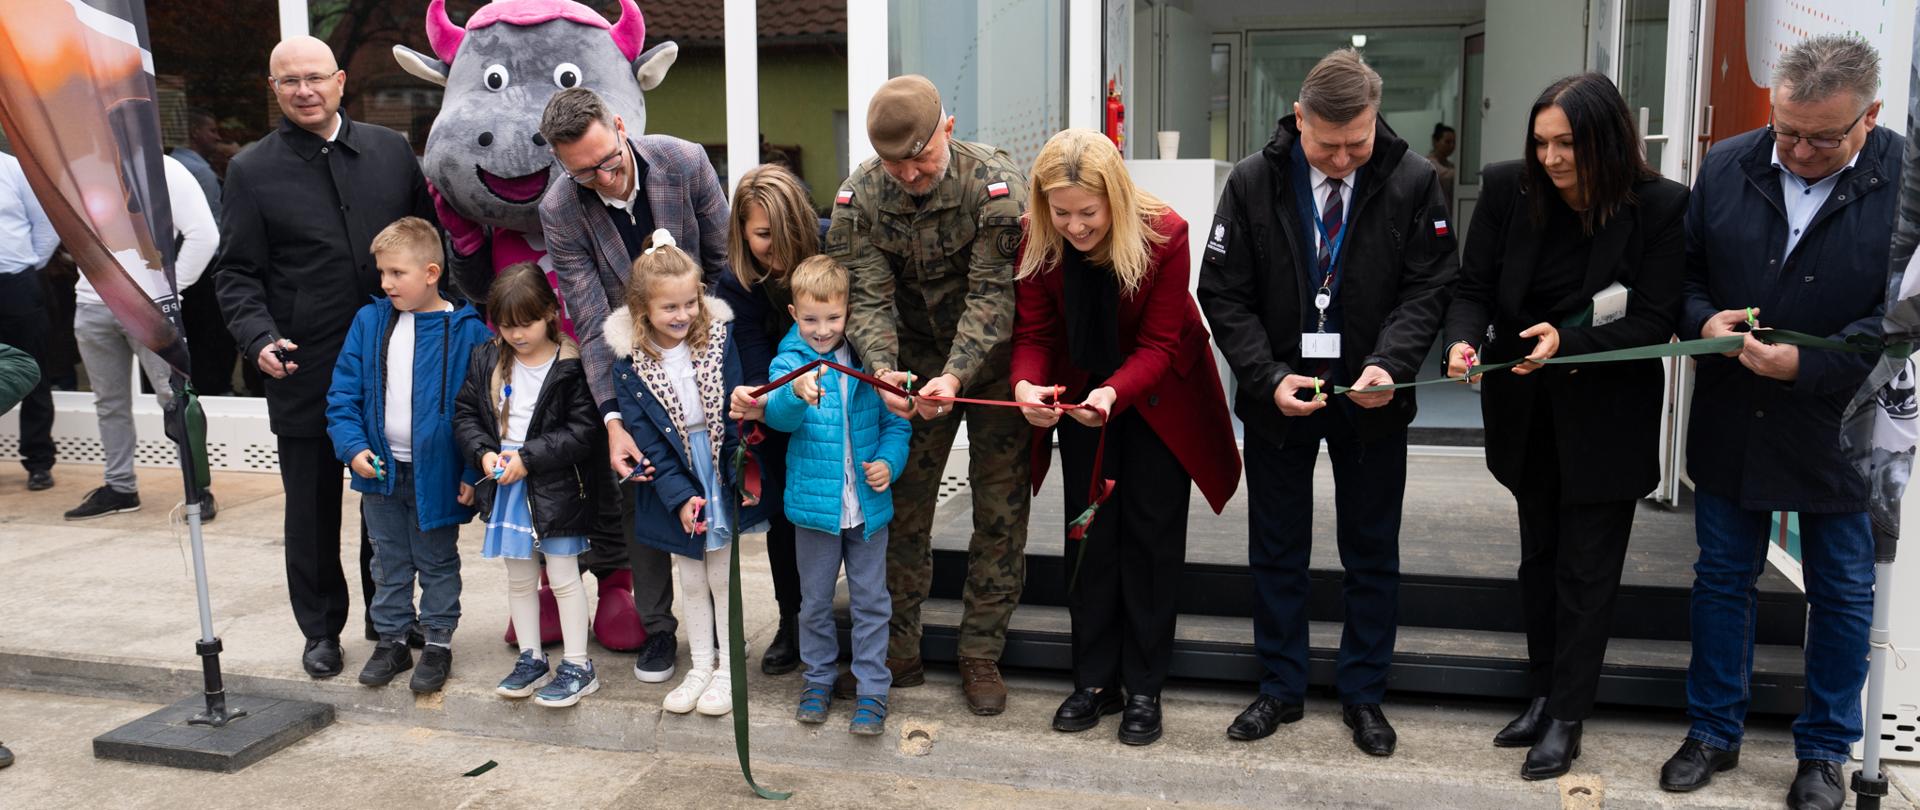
[[1789, 226], [1328, 263], [300, 208]]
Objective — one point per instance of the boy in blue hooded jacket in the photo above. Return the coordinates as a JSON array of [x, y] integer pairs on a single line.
[[846, 450], [390, 416]]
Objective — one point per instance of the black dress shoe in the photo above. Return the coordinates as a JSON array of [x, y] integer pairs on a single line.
[[1083, 709], [39, 480], [1694, 765], [1140, 724], [1554, 754], [1371, 731], [390, 658], [1525, 729], [435, 664], [1817, 787], [1263, 717], [322, 658], [783, 652]]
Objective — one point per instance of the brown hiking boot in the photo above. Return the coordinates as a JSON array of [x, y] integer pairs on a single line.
[[980, 682], [906, 672]]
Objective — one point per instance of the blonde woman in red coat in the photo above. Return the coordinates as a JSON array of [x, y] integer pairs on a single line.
[[1104, 318]]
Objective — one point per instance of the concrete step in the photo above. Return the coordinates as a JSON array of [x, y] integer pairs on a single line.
[[1477, 663]]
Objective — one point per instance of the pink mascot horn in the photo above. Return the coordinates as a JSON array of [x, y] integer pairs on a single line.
[[442, 34], [630, 33]]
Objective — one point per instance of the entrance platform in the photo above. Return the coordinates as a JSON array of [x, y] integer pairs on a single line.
[[1461, 627]]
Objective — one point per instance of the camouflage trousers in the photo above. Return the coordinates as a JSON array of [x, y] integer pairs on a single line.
[[996, 554]]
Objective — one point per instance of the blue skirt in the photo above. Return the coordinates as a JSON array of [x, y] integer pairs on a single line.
[[717, 515], [510, 530]]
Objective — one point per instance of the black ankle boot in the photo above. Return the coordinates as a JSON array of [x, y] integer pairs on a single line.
[[783, 652], [1525, 729], [1554, 754]]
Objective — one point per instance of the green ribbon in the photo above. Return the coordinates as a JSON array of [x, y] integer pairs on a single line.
[[737, 644], [1856, 344]]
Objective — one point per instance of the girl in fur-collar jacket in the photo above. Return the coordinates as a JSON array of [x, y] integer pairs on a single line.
[[676, 364]]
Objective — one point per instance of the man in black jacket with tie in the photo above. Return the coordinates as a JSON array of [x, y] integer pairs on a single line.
[[299, 210], [1328, 263]]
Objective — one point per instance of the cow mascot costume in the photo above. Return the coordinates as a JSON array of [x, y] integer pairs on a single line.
[[488, 167]]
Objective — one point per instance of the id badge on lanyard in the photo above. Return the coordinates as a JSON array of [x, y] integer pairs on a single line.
[[1318, 344]]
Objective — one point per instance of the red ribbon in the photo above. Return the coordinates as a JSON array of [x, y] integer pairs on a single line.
[[1098, 490]]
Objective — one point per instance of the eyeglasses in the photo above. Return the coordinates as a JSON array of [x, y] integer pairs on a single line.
[[1791, 141], [608, 164], [292, 84]]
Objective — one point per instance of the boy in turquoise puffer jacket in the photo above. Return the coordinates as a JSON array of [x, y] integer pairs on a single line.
[[846, 450]]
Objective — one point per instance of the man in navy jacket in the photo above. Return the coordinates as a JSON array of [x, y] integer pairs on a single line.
[[1794, 221]]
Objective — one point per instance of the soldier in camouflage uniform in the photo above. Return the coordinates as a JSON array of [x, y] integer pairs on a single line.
[[928, 230]]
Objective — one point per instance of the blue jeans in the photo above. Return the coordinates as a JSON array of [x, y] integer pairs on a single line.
[[1837, 566], [401, 552], [818, 556]]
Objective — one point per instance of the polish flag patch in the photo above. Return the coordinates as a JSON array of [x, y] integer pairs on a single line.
[[997, 190], [1439, 227], [845, 197]]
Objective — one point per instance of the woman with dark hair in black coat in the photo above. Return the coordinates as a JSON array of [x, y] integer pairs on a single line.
[[1577, 248]]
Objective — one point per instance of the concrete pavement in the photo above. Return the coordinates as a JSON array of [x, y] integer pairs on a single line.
[[105, 609]]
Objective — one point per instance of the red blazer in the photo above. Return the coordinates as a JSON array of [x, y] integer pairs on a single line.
[[1168, 375]]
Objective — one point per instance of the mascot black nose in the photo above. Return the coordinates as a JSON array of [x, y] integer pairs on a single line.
[[486, 139], [539, 140]]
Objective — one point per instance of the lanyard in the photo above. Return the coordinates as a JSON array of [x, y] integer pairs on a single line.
[[1323, 298]]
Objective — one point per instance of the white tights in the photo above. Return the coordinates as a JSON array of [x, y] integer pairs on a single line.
[[523, 603], [703, 597]]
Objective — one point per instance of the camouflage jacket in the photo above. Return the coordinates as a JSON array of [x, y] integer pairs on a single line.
[[936, 276]]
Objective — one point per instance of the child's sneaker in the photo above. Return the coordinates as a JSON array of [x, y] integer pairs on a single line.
[[814, 700], [526, 676], [390, 658], [436, 663], [717, 700], [683, 697], [571, 683], [869, 716]]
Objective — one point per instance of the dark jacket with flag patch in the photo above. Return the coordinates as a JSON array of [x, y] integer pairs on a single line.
[[1398, 262], [1768, 444]]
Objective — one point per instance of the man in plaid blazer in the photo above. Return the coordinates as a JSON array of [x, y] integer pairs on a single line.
[[624, 186]]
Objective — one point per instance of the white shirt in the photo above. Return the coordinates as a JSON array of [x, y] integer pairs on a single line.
[[192, 221], [1319, 191], [399, 390], [27, 239], [526, 382], [1802, 199], [335, 133], [854, 477], [679, 364]]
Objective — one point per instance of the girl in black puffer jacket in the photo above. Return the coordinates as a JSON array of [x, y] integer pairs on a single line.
[[526, 418]]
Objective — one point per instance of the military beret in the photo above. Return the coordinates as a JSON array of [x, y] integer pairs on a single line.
[[903, 116]]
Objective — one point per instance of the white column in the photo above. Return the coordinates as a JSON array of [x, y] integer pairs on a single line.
[[867, 57], [293, 19], [742, 47], [1084, 93]]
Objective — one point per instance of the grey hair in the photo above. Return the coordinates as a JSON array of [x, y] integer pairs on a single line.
[[570, 112], [1816, 69], [1340, 88]]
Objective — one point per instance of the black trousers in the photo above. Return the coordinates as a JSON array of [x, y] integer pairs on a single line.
[[652, 570], [316, 585], [1369, 482], [209, 341], [24, 325], [1126, 598], [780, 552], [1570, 561]]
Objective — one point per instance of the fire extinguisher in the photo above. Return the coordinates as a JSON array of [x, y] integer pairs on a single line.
[[1115, 126]]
